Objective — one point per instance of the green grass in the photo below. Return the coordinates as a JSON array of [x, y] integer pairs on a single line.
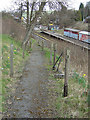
[[17, 64], [47, 52], [80, 79]]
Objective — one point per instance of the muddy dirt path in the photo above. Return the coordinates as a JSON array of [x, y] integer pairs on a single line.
[[31, 96]]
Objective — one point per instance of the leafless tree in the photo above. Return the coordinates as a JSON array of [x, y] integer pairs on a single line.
[[36, 7], [56, 4]]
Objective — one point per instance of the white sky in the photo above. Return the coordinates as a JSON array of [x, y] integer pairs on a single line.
[[75, 3], [6, 4]]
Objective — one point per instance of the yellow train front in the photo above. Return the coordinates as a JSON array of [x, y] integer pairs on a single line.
[[50, 27]]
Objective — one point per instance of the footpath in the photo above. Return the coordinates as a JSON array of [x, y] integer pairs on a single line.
[[30, 99]]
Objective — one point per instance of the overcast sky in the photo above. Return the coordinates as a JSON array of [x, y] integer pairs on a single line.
[[6, 4], [75, 3]]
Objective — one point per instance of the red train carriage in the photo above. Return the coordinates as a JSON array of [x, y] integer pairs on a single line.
[[84, 35]]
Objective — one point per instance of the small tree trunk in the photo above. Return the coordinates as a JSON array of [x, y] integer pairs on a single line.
[[21, 12], [33, 22], [27, 14]]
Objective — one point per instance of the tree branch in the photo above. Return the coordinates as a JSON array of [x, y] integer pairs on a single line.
[[33, 22], [31, 12]]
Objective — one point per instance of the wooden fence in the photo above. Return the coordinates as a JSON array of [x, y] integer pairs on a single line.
[[53, 49]]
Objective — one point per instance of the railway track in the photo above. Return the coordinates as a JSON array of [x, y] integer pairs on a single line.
[[44, 35]]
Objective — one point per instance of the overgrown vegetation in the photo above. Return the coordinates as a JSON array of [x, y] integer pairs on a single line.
[[18, 62], [75, 105], [80, 79]]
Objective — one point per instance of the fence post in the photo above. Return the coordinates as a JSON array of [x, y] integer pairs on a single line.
[[30, 44], [54, 58], [42, 45], [38, 42], [11, 60], [56, 47], [67, 59], [23, 50], [45, 43], [51, 52]]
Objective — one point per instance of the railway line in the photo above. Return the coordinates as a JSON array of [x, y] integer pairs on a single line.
[[45, 34]]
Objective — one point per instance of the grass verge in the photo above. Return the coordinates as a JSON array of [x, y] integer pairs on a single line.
[[75, 105], [18, 63]]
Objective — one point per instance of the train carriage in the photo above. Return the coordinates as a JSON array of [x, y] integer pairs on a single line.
[[66, 32], [84, 35], [73, 33]]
